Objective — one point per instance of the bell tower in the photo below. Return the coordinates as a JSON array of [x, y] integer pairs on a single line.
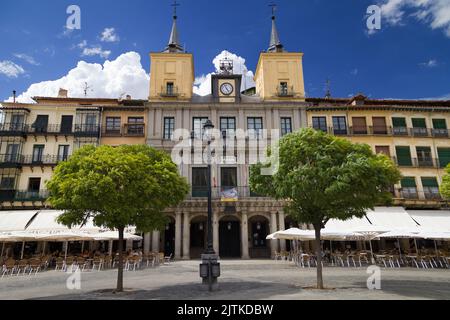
[[279, 74], [172, 71]]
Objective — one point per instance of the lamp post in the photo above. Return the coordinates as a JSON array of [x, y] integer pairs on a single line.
[[210, 267]]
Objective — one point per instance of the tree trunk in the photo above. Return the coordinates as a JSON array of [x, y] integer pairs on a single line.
[[120, 270], [317, 229]]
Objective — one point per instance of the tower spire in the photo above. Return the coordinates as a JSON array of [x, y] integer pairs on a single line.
[[275, 43], [174, 40]]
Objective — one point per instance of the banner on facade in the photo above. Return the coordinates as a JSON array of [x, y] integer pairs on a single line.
[[229, 195]]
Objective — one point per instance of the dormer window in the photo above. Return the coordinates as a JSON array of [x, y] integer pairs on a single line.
[[284, 90]]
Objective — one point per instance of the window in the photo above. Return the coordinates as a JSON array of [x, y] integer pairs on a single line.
[[424, 157], [8, 183], [199, 182], [440, 128], [383, 150], [400, 127], [444, 157], [431, 188], [359, 125], [34, 185], [379, 125], [228, 126], [169, 128], [41, 124], [255, 128], [63, 153], [409, 188], [228, 178], [320, 124], [12, 153], [135, 126], [404, 156], [339, 125], [170, 88], [91, 123], [17, 122], [286, 126], [66, 124], [198, 124], [283, 89], [38, 153], [419, 127], [113, 125]]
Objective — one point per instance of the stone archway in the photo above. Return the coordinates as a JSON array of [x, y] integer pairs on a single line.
[[258, 230], [230, 237], [198, 241]]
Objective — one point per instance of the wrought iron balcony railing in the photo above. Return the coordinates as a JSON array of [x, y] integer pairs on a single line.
[[13, 129], [224, 193], [285, 91], [23, 196], [169, 92]]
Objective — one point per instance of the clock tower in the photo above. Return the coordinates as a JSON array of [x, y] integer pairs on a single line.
[[226, 86]]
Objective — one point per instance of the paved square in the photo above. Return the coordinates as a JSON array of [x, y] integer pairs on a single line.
[[241, 280]]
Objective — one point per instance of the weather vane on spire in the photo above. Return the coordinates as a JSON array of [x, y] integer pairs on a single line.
[[274, 8], [175, 5]]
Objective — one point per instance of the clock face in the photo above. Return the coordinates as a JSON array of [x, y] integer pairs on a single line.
[[226, 88]]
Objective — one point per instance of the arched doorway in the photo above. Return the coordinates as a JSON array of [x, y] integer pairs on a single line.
[[198, 236], [230, 237], [259, 230], [169, 238]]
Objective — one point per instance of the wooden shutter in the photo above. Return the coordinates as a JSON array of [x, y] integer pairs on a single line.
[[359, 125], [404, 156], [409, 183], [430, 183], [444, 157], [379, 125], [399, 122], [419, 123], [439, 124]]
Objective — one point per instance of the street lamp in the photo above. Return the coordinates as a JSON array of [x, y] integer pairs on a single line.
[[210, 267]]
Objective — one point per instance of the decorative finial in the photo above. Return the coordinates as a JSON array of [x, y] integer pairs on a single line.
[[175, 5], [328, 89], [274, 8]]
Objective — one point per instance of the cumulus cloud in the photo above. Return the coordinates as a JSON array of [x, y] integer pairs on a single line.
[[96, 51], [27, 58], [202, 84], [109, 35], [125, 75], [10, 69], [436, 13]]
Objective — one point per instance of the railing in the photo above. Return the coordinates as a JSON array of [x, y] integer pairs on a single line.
[[13, 129], [50, 129], [10, 160], [420, 195], [23, 196], [169, 92], [224, 193], [87, 130], [418, 162], [43, 160], [134, 129], [285, 91], [389, 131]]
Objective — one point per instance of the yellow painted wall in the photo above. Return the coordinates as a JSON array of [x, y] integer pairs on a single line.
[[124, 115]]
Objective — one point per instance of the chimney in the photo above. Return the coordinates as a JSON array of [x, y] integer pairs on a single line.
[[14, 96], [62, 93]]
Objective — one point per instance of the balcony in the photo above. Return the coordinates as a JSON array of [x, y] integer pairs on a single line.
[[400, 131], [50, 129], [224, 193], [87, 131], [285, 91], [134, 130], [13, 129], [169, 92], [420, 195], [8, 161], [23, 196], [420, 132], [440, 133], [46, 160], [417, 162]]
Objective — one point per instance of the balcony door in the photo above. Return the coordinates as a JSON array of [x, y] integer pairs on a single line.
[[38, 153], [379, 125], [66, 124], [359, 125], [17, 122], [63, 152], [12, 153], [41, 124], [199, 182]]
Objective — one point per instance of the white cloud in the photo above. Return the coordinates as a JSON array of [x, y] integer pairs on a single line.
[[436, 13], [202, 84], [96, 51], [125, 75], [10, 69], [109, 35], [429, 64], [81, 45], [27, 58]]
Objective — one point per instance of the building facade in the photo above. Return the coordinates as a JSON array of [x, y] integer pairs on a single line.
[[34, 138]]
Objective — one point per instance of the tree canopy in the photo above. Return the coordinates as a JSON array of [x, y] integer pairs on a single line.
[[445, 186], [322, 177]]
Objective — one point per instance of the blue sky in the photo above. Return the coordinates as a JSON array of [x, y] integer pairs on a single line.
[[408, 58]]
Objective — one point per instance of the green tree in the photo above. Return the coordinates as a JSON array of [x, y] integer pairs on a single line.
[[117, 187], [322, 177], [445, 186]]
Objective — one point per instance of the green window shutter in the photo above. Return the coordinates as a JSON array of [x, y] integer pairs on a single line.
[[430, 183], [444, 157], [404, 156], [439, 124], [409, 183], [399, 122], [419, 123]]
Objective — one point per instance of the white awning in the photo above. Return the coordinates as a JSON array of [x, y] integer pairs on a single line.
[[350, 225], [394, 218], [46, 222], [432, 220], [15, 220]]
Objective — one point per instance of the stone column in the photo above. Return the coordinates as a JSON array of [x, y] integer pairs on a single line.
[[186, 236], [155, 241], [282, 227], [273, 228], [244, 235], [216, 232], [147, 238], [178, 235]]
